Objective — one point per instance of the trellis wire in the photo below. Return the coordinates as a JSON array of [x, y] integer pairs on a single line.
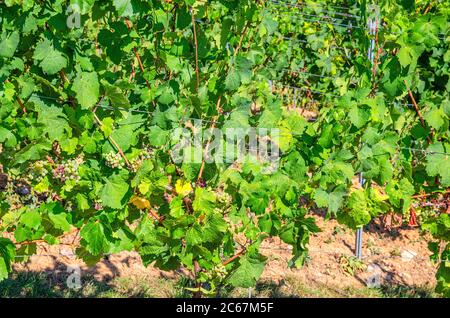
[[299, 71], [300, 5], [107, 106], [342, 254], [320, 16], [229, 113], [326, 93], [347, 26], [310, 251]]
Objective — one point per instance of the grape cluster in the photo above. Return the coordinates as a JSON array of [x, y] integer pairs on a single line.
[[18, 193], [69, 169], [114, 160], [200, 183], [224, 197], [218, 272], [3, 182], [37, 171], [12, 198], [137, 162], [98, 205]]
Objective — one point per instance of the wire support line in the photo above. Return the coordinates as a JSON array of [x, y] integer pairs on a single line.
[[307, 89], [327, 13], [107, 106], [302, 5], [349, 26], [293, 40], [386, 32], [343, 254], [310, 251], [321, 17], [234, 110], [426, 151], [326, 93], [301, 72]]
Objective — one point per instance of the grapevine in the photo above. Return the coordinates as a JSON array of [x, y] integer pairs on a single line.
[[91, 117]]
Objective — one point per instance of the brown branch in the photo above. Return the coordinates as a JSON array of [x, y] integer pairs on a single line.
[[138, 57], [43, 241], [213, 125], [133, 72], [21, 105], [19, 101], [50, 160], [196, 49], [234, 257], [241, 39], [156, 215], [415, 104], [418, 112], [417, 196], [110, 138], [198, 285], [63, 76], [377, 56]]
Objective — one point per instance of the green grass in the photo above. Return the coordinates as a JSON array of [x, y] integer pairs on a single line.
[[44, 285], [41, 285]]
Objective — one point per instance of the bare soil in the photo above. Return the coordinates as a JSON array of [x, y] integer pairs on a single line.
[[390, 257]]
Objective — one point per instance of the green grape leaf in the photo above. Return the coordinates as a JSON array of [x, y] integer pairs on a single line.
[[7, 254], [87, 89], [50, 60], [9, 43], [94, 235], [31, 219], [436, 118], [249, 270], [439, 163], [114, 193], [123, 7]]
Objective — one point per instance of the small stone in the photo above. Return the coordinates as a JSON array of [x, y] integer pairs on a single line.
[[373, 268], [408, 255], [67, 253], [374, 280]]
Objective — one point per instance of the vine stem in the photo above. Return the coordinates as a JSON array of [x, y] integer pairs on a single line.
[[155, 215], [110, 138], [43, 241], [21, 104], [415, 104], [196, 48], [377, 56], [241, 39], [213, 125], [138, 57], [234, 257], [417, 110], [19, 101], [417, 196]]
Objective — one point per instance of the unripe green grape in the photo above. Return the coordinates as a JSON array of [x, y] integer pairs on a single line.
[[113, 160]]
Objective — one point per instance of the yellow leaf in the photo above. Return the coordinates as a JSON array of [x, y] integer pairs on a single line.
[[144, 187], [183, 188], [379, 194], [42, 186], [140, 203]]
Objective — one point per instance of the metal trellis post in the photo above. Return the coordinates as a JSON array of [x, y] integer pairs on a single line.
[[372, 26], [359, 231]]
